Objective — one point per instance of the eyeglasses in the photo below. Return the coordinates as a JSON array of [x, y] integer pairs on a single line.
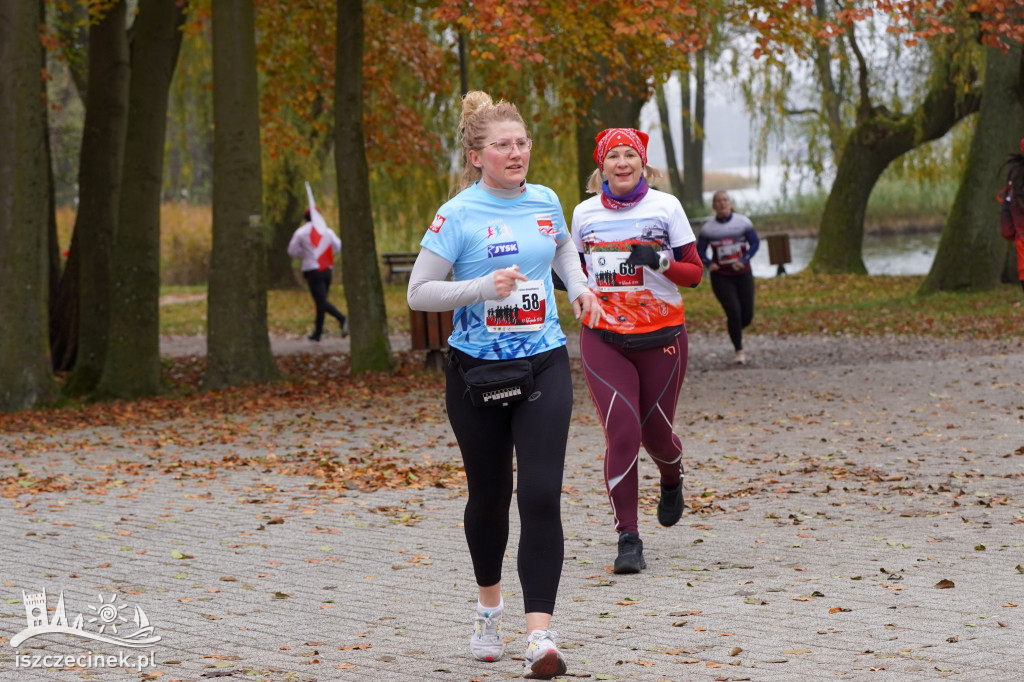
[[524, 144]]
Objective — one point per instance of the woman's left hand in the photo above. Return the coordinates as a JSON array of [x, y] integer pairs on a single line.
[[587, 304]]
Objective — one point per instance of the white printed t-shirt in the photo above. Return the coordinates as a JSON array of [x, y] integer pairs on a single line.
[[634, 299]]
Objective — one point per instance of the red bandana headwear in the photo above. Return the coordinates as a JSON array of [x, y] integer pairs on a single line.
[[613, 137]]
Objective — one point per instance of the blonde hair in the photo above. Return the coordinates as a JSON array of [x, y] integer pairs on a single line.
[[478, 113], [651, 174]]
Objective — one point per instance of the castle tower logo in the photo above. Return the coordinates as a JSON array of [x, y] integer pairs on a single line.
[[107, 621]]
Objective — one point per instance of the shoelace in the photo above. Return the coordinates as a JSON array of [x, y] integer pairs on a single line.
[[487, 621]]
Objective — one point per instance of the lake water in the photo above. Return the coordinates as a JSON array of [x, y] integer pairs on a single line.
[[909, 254]]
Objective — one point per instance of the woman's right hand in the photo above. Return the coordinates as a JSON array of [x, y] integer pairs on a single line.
[[505, 280]]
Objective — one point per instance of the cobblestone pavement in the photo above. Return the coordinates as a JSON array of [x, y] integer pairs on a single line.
[[854, 512]]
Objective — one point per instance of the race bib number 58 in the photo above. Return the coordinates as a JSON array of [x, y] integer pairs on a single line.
[[523, 310]]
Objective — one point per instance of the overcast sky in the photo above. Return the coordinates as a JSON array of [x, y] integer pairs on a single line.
[[727, 143]]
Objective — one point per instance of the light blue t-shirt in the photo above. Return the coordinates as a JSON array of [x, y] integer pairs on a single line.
[[480, 233]]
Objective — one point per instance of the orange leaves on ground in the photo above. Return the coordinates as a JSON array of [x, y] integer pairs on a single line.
[[370, 474], [164, 426], [314, 381]]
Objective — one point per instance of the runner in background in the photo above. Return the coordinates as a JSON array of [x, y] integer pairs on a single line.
[[1012, 218], [733, 243]]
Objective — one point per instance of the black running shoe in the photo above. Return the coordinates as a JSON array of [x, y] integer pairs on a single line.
[[631, 553], [670, 506]]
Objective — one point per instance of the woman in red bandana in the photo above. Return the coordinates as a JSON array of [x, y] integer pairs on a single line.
[[1012, 220], [637, 247]]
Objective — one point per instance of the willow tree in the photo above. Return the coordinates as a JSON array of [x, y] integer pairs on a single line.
[[601, 64], [879, 137], [25, 377], [971, 252], [237, 341]]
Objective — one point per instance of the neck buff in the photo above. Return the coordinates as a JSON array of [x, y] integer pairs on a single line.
[[502, 193], [609, 200]]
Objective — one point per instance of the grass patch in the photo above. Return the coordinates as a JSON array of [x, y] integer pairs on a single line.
[[799, 304]]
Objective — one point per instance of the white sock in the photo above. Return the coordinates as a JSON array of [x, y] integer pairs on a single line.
[[480, 608]]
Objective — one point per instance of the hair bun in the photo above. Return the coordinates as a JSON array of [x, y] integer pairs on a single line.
[[474, 100]]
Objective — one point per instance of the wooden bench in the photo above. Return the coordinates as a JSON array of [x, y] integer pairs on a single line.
[[778, 251], [398, 263], [430, 332]]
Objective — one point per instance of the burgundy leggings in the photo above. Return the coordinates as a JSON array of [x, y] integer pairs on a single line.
[[635, 393]]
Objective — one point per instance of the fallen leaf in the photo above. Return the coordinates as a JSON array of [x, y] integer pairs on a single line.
[[945, 584]]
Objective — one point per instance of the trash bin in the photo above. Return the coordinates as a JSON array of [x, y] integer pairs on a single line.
[[778, 251], [430, 332]]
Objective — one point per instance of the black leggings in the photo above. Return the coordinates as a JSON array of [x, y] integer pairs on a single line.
[[736, 294], [319, 283], [537, 429]]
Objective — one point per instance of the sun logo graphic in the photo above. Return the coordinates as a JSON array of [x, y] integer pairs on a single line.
[[106, 619]]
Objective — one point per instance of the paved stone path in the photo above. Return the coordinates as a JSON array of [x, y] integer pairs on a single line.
[[854, 512]]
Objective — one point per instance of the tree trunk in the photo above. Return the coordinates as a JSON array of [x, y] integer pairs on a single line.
[[64, 312], [25, 377], [371, 349], [132, 366], [284, 214], [870, 148], [674, 181], [971, 253], [237, 342], [617, 107], [53, 257], [693, 139], [99, 182]]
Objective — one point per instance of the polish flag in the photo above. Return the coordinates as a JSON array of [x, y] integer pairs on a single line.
[[322, 247]]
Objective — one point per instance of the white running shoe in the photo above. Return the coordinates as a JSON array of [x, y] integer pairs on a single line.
[[543, 660], [486, 642], [741, 358]]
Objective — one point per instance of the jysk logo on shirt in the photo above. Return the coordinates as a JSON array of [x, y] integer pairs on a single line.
[[438, 222], [503, 249]]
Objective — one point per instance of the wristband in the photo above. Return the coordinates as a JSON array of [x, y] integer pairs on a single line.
[[663, 262]]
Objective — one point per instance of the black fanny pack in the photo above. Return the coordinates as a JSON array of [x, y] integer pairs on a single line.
[[656, 339], [499, 383]]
